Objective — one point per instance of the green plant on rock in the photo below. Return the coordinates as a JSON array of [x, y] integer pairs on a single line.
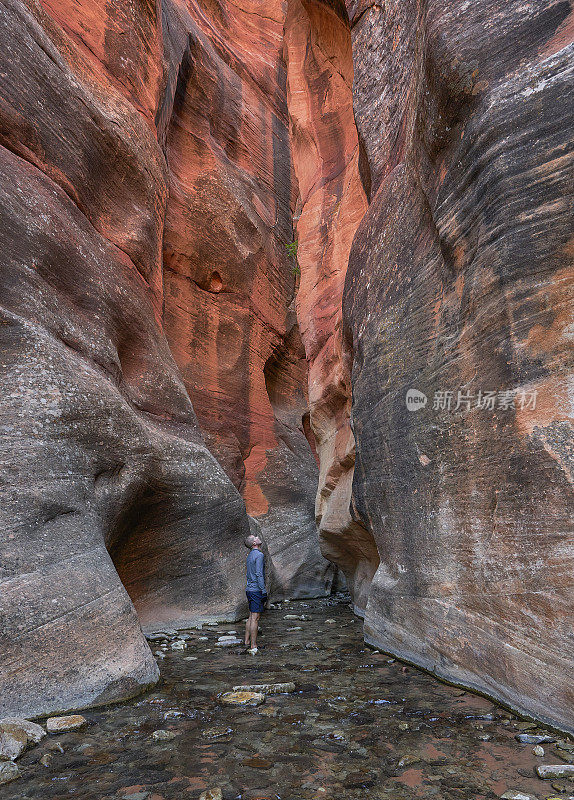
[[291, 248]]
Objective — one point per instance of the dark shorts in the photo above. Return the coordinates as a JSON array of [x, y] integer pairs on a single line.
[[255, 600]]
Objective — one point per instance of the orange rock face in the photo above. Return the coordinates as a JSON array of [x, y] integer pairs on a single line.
[[332, 203], [146, 189], [229, 281]]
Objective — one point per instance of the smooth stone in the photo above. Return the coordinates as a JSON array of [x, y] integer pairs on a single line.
[[295, 628], [162, 735], [212, 794], [242, 698], [228, 643], [72, 723], [555, 770], [34, 732], [136, 796], [533, 738], [517, 796], [159, 654], [216, 733], [9, 772], [267, 688], [13, 742], [179, 644], [190, 658]]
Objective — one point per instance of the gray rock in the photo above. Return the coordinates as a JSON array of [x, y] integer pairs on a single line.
[[534, 738], [162, 735], [555, 770], [9, 772], [34, 732], [511, 795], [538, 750], [228, 642], [267, 688], [13, 742]]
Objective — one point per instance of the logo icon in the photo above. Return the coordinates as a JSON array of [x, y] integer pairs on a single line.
[[415, 400]]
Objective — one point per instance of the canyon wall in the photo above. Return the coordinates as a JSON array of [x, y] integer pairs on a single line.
[[331, 205], [120, 122], [459, 286]]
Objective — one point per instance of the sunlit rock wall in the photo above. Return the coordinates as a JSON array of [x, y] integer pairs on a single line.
[[460, 280], [229, 280]]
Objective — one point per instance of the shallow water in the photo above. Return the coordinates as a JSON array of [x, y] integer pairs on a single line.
[[356, 727]]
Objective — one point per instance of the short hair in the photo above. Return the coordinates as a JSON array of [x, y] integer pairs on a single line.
[[249, 541]]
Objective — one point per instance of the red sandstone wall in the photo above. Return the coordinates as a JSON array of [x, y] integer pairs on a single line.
[[332, 203]]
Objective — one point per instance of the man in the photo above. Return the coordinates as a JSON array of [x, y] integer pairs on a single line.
[[255, 590]]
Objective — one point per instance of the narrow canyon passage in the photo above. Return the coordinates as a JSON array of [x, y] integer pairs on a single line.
[[358, 724], [237, 235]]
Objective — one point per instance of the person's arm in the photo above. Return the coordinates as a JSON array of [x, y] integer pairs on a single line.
[[260, 573]]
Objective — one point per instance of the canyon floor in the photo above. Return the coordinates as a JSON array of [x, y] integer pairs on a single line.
[[358, 725]]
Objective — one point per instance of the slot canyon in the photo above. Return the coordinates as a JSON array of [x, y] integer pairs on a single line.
[[300, 269]]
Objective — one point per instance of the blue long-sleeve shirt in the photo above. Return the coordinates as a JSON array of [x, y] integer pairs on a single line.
[[255, 571]]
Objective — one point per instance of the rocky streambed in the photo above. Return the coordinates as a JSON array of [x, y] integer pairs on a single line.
[[356, 724]]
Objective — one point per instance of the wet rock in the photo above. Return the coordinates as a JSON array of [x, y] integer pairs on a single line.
[[9, 772], [534, 738], [257, 762], [546, 771], [70, 723], [216, 733], [242, 698], [267, 688], [173, 714], [162, 735], [212, 794]]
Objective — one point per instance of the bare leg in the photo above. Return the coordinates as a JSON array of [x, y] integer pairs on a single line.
[[248, 631], [254, 626]]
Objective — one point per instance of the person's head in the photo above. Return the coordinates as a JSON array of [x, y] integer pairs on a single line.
[[252, 541]]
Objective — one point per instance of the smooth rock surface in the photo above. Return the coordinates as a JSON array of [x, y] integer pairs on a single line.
[[460, 281], [144, 236], [267, 688], [71, 723], [242, 697]]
